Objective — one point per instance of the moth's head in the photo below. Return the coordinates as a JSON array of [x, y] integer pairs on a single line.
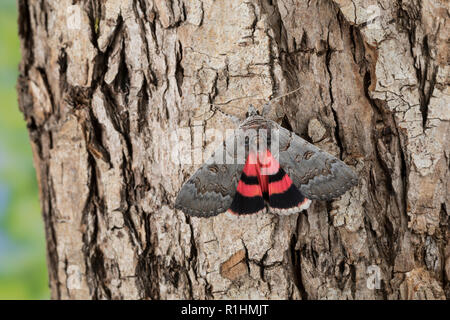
[[252, 111]]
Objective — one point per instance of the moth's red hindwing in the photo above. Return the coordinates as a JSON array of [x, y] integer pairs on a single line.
[[248, 198], [282, 193], [263, 179]]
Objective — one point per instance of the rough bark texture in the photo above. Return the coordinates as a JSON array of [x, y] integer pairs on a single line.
[[104, 85]]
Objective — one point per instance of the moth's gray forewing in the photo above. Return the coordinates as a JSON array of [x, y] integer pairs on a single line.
[[211, 189], [316, 173]]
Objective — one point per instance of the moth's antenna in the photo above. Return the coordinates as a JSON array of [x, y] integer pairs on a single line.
[[267, 106], [235, 119], [284, 95], [216, 107]]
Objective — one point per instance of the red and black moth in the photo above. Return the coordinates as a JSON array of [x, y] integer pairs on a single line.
[[264, 181], [285, 183]]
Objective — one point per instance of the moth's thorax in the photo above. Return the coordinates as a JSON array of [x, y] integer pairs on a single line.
[[256, 133], [255, 122]]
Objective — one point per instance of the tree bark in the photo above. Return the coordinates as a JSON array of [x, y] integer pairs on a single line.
[[105, 85]]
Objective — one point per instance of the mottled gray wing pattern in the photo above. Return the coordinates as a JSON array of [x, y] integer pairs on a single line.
[[316, 173], [211, 189]]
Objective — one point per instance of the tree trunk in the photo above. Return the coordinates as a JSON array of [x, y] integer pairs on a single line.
[[106, 87]]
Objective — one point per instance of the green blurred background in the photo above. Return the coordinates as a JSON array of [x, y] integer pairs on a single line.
[[23, 270]]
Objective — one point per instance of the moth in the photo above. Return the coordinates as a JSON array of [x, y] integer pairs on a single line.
[[276, 170]]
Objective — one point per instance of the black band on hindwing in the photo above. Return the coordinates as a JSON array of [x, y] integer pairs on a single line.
[[250, 180], [246, 205]]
